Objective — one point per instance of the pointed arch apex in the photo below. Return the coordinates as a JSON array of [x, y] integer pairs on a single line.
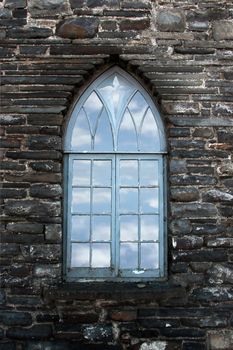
[[110, 97]]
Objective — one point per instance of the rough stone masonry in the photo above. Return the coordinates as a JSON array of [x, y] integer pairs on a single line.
[[182, 52]]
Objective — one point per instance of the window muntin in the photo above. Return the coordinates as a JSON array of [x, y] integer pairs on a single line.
[[115, 192]]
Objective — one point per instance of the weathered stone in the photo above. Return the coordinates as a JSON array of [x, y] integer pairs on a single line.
[[177, 166], [203, 132], [180, 107], [47, 252], [12, 4], [97, 333], [2, 296], [134, 25], [220, 274], [47, 166], [187, 242], [5, 13], [193, 345], [105, 3], [13, 318], [30, 32], [53, 232], [184, 194], [123, 315], [32, 208], [48, 8], [45, 191], [51, 271], [200, 180], [25, 227], [199, 255], [219, 242], [217, 294], [170, 21], [220, 340], [44, 142], [217, 196], [78, 28], [223, 30], [180, 226]]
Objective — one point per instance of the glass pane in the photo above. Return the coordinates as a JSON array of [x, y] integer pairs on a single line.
[[149, 173], [81, 200], [80, 255], [127, 140], [129, 172], [149, 227], [115, 90], [129, 227], [129, 200], [81, 172], [149, 200], [101, 200], [101, 228], [81, 137], [103, 140], [149, 138], [129, 255], [137, 107], [101, 173], [80, 228], [93, 107], [100, 255], [149, 255]]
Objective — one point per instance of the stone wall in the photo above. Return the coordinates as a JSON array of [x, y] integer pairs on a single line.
[[182, 52]]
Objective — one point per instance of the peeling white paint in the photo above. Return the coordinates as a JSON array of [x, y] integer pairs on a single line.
[[138, 272], [155, 345]]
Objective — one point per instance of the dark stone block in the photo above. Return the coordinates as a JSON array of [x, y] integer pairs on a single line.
[[32, 208], [35, 332], [223, 30], [184, 194], [19, 13], [12, 193], [30, 32], [179, 132], [45, 252], [187, 242], [45, 8], [100, 3], [137, 25], [102, 333], [67, 345], [5, 13], [77, 4], [7, 52], [182, 332], [225, 137], [33, 50], [12, 4], [47, 166], [200, 255], [25, 227], [191, 345], [9, 249], [78, 28], [24, 300], [215, 294], [12, 119], [44, 142], [217, 196], [46, 191], [170, 21], [183, 180], [13, 318], [34, 155], [2, 297], [6, 165], [7, 346]]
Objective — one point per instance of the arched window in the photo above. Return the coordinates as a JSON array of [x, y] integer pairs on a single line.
[[115, 200]]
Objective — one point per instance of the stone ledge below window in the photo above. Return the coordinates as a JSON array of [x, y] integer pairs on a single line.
[[153, 291]]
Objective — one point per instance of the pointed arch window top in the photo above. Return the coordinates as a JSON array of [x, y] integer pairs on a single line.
[[115, 114]]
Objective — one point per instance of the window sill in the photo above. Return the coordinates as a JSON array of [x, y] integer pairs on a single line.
[[115, 291]]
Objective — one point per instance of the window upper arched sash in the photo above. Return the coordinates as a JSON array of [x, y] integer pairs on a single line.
[[115, 114]]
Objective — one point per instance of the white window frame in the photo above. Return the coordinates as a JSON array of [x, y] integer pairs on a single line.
[[114, 273]]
